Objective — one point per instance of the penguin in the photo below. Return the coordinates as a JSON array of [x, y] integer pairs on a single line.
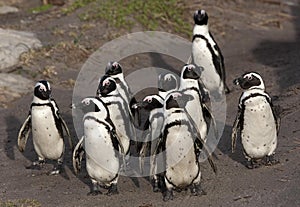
[[114, 70], [46, 124], [256, 121], [118, 109], [196, 108], [207, 54], [153, 104], [167, 82], [101, 147], [181, 147]]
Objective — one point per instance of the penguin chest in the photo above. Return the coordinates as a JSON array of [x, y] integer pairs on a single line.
[[102, 162], [182, 167], [202, 56], [47, 141], [122, 124], [194, 109], [259, 135]]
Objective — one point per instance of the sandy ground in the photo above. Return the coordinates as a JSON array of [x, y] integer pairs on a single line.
[[250, 40]]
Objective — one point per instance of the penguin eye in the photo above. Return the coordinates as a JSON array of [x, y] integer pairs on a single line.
[[249, 77], [168, 79], [189, 69], [107, 83], [40, 89], [149, 100]]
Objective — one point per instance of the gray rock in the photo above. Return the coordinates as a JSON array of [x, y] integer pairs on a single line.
[[13, 86], [8, 9], [13, 44]]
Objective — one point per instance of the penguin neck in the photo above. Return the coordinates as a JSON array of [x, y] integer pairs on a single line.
[[101, 115], [40, 101], [188, 83], [201, 30], [249, 92]]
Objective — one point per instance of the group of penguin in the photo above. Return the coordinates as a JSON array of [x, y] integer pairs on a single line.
[[177, 121]]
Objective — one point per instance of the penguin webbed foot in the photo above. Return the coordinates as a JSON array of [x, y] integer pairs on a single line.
[[253, 164], [57, 169], [94, 190], [196, 190], [112, 190], [270, 160], [168, 195], [36, 165], [155, 186]]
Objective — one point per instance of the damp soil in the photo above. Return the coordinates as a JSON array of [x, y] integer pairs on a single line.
[[258, 35]]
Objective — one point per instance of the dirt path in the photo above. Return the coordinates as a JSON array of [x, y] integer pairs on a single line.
[[262, 36]]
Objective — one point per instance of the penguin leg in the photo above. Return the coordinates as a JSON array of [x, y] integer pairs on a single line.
[[168, 191], [196, 189], [253, 163], [37, 165], [270, 160], [94, 189], [113, 189], [57, 167]]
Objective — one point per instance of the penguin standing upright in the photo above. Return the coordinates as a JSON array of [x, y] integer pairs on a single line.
[[198, 111], [182, 147], [207, 54], [153, 104], [46, 125], [256, 121], [101, 146], [167, 82], [118, 109]]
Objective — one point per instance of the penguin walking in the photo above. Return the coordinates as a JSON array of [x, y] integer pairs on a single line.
[[101, 147], [181, 146], [119, 111], [256, 121], [46, 125], [167, 82], [207, 54], [196, 108], [153, 104]]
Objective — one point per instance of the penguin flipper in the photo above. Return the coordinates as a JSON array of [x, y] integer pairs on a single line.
[[24, 133], [71, 141], [210, 119], [235, 129], [77, 156]]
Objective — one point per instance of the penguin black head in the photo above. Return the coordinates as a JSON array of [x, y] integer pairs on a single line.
[[177, 100], [42, 90], [200, 17], [91, 104], [106, 86], [151, 102], [113, 68], [190, 71], [250, 80], [167, 82]]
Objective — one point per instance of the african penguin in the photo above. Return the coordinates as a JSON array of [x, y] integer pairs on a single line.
[[207, 54], [181, 146], [256, 121], [114, 70], [101, 147], [118, 109], [153, 104], [167, 82], [198, 111], [46, 125]]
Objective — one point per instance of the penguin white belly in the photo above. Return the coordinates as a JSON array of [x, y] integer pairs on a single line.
[[203, 57], [259, 135], [182, 167], [194, 109], [120, 124], [102, 162], [46, 139]]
